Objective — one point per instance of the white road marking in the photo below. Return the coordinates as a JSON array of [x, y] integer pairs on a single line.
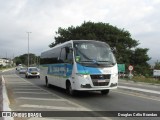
[[72, 103], [136, 95], [61, 98], [29, 98], [17, 82], [30, 93], [7, 70], [139, 89], [27, 86], [55, 107], [37, 89], [76, 106], [140, 84]]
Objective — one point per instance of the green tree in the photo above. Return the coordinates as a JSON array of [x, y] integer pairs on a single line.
[[157, 65], [97, 31], [17, 60], [23, 59], [139, 60], [115, 37], [140, 57]]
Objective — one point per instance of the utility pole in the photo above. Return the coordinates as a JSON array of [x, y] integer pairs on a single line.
[[13, 60], [6, 55], [28, 47]]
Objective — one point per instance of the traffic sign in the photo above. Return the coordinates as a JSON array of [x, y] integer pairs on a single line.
[[130, 67], [121, 68]]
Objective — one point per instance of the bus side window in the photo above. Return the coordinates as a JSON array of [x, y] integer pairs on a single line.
[[63, 55], [70, 56]]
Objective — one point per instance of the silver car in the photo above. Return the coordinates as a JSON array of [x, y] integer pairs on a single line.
[[32, 72], [22, 70]]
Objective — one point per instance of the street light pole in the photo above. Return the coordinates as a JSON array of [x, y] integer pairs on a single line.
[[28, 47]]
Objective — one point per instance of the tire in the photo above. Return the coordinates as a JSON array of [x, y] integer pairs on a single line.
[[26, 76], [105, 92], [69, 89], [47, 84]]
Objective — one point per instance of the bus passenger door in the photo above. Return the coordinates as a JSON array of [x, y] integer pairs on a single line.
[[66, 66]]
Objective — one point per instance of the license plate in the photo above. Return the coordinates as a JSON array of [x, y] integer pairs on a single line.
[[101, 81]]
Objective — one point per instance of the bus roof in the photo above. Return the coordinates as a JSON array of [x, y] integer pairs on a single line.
[[58, 47], [71, 41]]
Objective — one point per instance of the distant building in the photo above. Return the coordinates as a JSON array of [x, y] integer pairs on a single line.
[[2, 62], [6, 62]]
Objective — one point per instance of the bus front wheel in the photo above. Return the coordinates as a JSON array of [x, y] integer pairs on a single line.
[[69, 89]]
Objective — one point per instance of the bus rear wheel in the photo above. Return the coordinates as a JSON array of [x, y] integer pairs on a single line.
[[47, 84], [105, 92]]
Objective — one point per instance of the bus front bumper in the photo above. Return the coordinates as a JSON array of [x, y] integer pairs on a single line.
[[88, 87]]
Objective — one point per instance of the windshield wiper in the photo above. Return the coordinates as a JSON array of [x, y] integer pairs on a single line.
[[99, 62], [104, 61], [92, 61], [107, 62], [86, 61]]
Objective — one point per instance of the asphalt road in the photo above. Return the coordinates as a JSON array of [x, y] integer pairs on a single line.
[[117, 100]]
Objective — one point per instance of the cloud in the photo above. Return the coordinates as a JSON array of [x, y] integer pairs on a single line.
[[43, 17]]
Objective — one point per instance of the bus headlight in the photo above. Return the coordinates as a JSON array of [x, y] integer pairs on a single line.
[[83, 75]]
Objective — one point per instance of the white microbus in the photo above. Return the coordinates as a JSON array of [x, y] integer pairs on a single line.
[[80, 65]]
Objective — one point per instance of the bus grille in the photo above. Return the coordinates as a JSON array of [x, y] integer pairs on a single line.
[[100, 80]]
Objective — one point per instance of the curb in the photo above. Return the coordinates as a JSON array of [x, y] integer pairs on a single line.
[[6, 101], [5, 70]]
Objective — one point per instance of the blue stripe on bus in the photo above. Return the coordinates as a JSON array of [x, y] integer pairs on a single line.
[[60, 69], [66, 69], [88, 70]]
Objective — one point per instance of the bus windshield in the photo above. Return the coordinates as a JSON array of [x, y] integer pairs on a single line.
[[93, 52]]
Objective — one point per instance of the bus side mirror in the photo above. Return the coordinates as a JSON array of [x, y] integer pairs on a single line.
[[113, 49], [68, 49]]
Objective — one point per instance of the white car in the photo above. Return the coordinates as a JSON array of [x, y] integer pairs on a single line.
[[32, 72], [18, 67], [22, 70]]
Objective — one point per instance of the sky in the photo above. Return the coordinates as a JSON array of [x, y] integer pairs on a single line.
[[43, 18]]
